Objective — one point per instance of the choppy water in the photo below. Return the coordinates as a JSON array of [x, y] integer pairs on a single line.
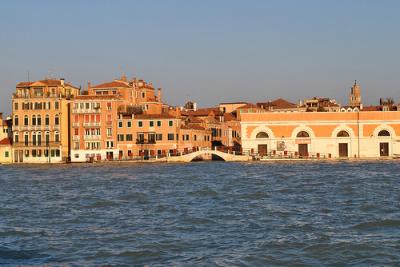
[[201, 214]]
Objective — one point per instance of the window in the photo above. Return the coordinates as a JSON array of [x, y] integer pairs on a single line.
[[16, 137], [159, 137], [195, 137], [140, 138], [34, 153], [39, 138], [33, 120], [170, 123], [56, 137], [46, 153], [76, 145], [27, 153], [129, 124], [158, 123], [33, 139], [6, 154], [140, 124], [26, 138], [26, 120], [151, 123], [56, 105], [170, 136], [109, 132], [152, 138], [343, 134], [47, 138], [119, 124], [120, 137], [57, 152], [15, 106], [47, 120], [108, 106], [143, 94], [16, 120], [384, 133], [56, 120], [109, 144], [39, 120], [303, 134], [129, 137], [262, 135]]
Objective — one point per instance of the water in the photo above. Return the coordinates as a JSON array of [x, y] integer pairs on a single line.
[[201, 214]]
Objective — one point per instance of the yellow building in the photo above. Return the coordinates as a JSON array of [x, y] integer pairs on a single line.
[[40, 112]]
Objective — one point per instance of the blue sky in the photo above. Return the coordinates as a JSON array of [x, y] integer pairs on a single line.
[[209, 51]]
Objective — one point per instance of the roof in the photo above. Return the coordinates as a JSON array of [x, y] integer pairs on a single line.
[[204, 112], [248, 105], [229, 117], [279, 103], [154, 116], [98, 97], [6, 141], [232, 103], [46, 82], [192, 127], [112, 84]]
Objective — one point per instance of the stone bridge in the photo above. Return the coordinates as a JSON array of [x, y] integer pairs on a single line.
[[225, 156]]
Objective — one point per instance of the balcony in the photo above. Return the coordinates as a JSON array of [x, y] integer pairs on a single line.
[[91, 124], [91, 137], [42, 144], [145, 142], [86, 111]]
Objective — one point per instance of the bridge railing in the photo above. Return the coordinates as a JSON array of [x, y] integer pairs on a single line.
[[292, 155]]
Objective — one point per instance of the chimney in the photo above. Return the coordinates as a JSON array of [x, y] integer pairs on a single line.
[[159, 94], [89, 88], [62, 82]]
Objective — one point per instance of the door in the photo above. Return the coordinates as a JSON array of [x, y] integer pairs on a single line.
[[303, 150], [343, 150], [384, 149], [262, 150]]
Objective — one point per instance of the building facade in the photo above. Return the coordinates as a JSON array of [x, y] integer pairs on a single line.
[[322, 134], [40, 112]]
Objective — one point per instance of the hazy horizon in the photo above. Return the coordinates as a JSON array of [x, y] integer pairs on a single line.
[[207, 51]]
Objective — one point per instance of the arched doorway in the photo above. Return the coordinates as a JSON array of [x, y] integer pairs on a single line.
[[262, 147], [384, 144], [303, 139], [343, 144]]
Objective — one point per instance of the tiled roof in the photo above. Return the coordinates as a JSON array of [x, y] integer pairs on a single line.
[[46, 82], [229, 117], [279, 103], [112, 84], [154, 116], [192, 127], [204, 112], [6, 141]]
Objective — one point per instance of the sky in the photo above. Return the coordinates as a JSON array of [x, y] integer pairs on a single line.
[[207, 51]]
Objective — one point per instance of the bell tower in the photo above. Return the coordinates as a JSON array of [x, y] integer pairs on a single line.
[[355, 95]]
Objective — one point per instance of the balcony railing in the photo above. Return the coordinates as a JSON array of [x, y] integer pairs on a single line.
[[91, 137], [145, 141], [91, 124], [86, 111], [37, 144]]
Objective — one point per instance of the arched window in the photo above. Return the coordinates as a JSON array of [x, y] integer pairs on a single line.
[[39, 120], [16, 137], [26, 120], [384, 133], [56, 120], [26, 138], [33, 120], [56, 137], [16, 120], [47, 138], [262, 135], [303, 134], [343, 134], [47, 120]]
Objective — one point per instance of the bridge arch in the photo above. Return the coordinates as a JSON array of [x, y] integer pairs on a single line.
[[190, 157]]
